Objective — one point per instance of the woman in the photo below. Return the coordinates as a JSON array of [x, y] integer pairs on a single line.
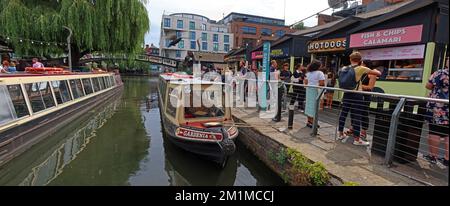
[[438, 115], [299, 91], [12, 68], [314, 77], [4, 67]]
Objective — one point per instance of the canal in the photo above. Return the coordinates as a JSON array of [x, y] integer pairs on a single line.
[[121, 143]]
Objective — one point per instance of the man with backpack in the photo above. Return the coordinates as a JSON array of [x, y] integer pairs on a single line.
[[350, 79]]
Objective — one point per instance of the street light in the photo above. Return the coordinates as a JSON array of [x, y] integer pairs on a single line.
[[69, 47]]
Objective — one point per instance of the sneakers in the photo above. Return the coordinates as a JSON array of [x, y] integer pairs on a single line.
[[361, 142], [431, 159], [343, 138], [444, 161]]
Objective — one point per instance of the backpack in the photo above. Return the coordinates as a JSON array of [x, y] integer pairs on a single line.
[[347, 78]]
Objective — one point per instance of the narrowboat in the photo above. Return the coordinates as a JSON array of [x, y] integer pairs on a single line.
[[195, 117], [36, 104]]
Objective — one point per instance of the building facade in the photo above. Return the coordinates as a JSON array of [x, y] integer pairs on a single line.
[[250, 30], [197, 33]]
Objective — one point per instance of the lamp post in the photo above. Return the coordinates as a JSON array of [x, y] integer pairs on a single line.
[[69, 46]]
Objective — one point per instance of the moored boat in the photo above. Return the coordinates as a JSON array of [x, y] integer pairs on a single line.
[[195, 117], [35, 104]]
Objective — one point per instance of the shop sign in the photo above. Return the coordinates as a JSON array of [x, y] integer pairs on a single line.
[[395, 53], [279, 53], [328, 45], [402, 35], [257, 55]]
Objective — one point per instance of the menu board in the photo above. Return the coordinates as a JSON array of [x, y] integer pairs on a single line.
[[395, 53]]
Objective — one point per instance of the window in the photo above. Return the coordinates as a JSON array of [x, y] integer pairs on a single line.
[[102, 82], [216, 47], [204, 37], [226, 47], [179, 34], [77, 89], [113, 82], [101, 87], [280, 33], [87, 86], [180, 24], [192, 35], [62, 92], [400, 70], [173, 102], [106, 82], [167, 22], [96, 84], [167, 42], [204, 27], [193, 45], [204, 46], [248, 30], [12, 103], [215, 38], [181, 44], [18, 100], [40, 96], [178, 54], [226, 38], [266, 32], [192, 25]]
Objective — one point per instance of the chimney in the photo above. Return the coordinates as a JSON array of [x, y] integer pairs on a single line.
[[325, 19]]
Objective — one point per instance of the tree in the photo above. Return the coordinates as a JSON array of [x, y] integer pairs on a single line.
[[108, 26], [299, 26]]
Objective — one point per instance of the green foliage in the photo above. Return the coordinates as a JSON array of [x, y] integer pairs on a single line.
[[314, 172], [109, 26], [351, 184], [299, 26]]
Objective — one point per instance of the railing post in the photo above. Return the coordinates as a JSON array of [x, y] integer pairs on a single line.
[[316, 114], [291, 117], [390, 148], [279, 99]]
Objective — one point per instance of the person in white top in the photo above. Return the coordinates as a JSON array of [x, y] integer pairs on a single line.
[[314, 77], [37, 64]]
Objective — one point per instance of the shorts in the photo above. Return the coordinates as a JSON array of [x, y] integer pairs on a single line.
[[439, 130]]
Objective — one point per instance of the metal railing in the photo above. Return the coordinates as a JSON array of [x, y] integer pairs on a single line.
[[396, 126]]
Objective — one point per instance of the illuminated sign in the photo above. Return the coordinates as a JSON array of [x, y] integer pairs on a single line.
[[329, 45]]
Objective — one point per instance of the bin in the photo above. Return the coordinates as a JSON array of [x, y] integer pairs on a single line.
[[383, 118]]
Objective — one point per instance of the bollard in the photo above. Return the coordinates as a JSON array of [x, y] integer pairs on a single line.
[[279, 99], [291, 117]]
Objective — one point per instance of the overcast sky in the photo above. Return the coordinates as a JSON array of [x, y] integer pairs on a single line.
[[216, 9]]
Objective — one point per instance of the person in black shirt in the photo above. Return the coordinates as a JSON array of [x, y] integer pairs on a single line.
[[299, 91], [286, 75]]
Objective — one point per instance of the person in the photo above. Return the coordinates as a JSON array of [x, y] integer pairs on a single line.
[[4, 67], [12, 67], [285, 75], [329, 94], [350, 78], [274, 73], [368, 84], [314, 77], [299, 91], [37, 64], [438, 115]]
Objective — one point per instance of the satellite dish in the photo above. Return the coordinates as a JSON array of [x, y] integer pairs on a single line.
[[336, 4]]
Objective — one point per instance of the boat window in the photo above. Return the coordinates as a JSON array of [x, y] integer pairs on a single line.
[[113, 83], [40, 96], [77, 89], [108, 83], [62, 92], [211, 104], [18, 100], [87, 86], [7, 112], [172, 103], [102, 83], [96, 84]]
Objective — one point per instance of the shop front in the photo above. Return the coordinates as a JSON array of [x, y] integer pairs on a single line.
[[331, 52], [403, 47]]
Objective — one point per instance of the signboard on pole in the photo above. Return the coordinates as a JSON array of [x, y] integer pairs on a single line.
[[266, 74]]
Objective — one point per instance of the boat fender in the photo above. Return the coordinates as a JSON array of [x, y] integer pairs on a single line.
[[228, 146]]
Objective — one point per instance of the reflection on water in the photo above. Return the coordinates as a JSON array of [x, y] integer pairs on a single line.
[[121, 144]]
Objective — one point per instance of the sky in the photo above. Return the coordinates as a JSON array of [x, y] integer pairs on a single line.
[[216, 9]]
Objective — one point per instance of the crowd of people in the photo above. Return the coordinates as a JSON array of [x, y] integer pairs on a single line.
[[360, 76], [11, 67]]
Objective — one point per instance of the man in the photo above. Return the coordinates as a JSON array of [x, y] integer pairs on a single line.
[[438, 115], [350, 78], [37, 64], [286, 75]]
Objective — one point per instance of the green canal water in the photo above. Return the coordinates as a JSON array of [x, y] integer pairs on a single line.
[[121, 143]]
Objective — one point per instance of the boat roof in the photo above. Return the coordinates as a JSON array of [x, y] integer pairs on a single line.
[[184, 79], [25, 74]]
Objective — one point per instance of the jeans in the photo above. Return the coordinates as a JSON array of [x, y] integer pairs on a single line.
[[351, 103]]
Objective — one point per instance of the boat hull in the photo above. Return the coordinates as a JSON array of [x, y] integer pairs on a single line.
[[19, 139]]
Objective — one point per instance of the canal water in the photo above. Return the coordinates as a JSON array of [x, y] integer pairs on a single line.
[[121, 143]]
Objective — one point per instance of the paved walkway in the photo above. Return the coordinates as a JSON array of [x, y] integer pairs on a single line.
[[346, 162]]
